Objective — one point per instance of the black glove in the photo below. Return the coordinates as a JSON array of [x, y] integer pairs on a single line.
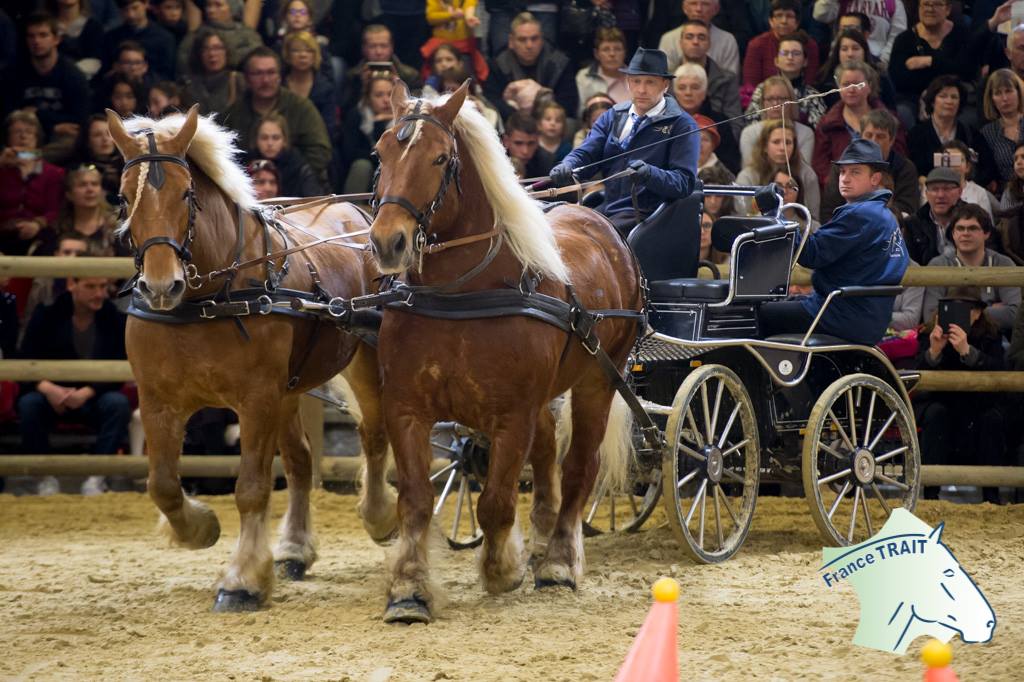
[[561, 175], [767, 198], [642, 170]]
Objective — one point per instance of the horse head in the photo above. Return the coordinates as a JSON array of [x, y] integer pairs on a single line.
[[158, 207], [949, 597], [419, 160]]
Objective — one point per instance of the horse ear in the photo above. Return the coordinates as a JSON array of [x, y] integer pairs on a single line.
[[450, 109], [935, 536], [124, 142], [179, 144], [399, 96]]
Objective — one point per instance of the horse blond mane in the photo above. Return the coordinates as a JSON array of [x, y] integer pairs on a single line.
[[527, 230], [213, 149]]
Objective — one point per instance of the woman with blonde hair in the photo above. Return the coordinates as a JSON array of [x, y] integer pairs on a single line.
[[1003, 107], [304, 77], [775, 91], [776, 150], [85, 212]]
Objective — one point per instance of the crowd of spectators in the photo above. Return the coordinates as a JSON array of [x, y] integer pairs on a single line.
[[307, 84]]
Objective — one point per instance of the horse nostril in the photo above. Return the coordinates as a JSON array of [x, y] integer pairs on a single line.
[[400, 243], [177, 288], [374, 246], [143, 287]]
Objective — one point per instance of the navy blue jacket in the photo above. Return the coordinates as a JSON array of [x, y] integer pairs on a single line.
[[673, 164], [860, 246]]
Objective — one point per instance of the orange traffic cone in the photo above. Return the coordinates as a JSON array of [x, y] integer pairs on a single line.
[[937, 656], [653, 657]]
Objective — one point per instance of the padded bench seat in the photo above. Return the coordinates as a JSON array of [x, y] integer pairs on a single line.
[[691, 289], [816, 340]]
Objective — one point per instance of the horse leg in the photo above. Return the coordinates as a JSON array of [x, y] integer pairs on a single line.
[[411, 594], [563, 563], [546, 495], [377, 506], [296, 546], [501, 557], [186, 521], [249, 577]]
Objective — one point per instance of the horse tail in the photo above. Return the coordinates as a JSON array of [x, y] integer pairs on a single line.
[[339, 389], [616, 450]]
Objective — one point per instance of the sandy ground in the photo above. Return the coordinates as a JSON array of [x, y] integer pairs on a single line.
[[89, 591]]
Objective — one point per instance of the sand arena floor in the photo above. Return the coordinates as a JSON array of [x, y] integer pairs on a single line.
[[89, 591]]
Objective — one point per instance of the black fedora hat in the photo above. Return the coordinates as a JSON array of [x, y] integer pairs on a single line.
[[862, 151], [648, 63]]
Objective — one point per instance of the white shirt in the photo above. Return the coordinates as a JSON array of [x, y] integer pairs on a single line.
[[651, 113], [723, 51]]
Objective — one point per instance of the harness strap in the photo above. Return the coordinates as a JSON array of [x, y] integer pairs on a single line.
[[461, 241]]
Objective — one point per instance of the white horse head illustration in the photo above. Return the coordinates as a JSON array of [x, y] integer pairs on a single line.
[[912, 586]]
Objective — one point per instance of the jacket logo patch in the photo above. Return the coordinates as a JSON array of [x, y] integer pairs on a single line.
[[664, 130]]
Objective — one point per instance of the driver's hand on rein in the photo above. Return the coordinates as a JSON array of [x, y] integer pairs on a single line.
[[641, 170], [561, 175]]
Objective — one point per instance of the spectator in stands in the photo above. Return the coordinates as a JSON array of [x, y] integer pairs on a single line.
[[777, 91], [363, 126], [49, 84], [210, 82], [663, 172], [295, 177], [841, 123], [551, 143], [776, 149], [881, 127], [521, 140], [1010, 227], [1015, 356], [265, 179], [963, 160], [710, 138], [926, 232], [906, 311], [690, 88], [95, 147], [378, 47], [850, 45], [792, 62], [793, 193], [45, 290], [136, 25], [708, 252], [971, 228], [81, 36], [723, 89], [449, 81], [407, 19], [759, 62], [452, 23], [886, 20], [723, 48], [30, 187], [957, 427], [717, 205], [170, 14], [131, 63], [604, 75], [1003, 107], [86, 213], [444, 57], [239, 38], [81, 324], [593, 107], [126, 98], [305, 78], [164, 98], [932, 47], [527, 66], [264, 94], [943, 100]]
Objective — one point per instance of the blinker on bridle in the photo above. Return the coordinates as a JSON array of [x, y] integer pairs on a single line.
[[155, 178]]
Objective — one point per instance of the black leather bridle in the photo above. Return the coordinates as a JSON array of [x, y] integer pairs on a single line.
[[451, 173], [155, 178]]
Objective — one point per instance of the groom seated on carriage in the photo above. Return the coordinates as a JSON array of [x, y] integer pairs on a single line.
[[628, 136]]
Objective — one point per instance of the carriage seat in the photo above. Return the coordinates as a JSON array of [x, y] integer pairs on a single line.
[[703, 290], [815, 341]]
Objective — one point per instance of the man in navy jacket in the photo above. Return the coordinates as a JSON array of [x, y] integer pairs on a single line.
[[860, 246], [664, 172]]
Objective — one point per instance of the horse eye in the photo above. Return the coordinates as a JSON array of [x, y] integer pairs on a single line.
[[375, 156], [440, 160], [949, 573]]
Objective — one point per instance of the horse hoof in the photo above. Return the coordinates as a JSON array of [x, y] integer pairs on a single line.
[[408, 611], [541, 583], [387, 540], [290, 569], [235, 601]]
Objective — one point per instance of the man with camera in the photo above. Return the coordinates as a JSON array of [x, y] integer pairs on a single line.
[[378, 55], [926, 230]]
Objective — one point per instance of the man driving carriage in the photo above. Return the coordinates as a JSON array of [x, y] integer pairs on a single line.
[[629, 135], [861, 245]]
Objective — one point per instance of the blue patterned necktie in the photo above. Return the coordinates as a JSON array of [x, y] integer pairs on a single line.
[[637, 121]]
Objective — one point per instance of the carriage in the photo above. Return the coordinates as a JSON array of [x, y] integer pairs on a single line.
[[809, 413]]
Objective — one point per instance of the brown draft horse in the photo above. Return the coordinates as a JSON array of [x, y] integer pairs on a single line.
[[442, 167], [183, 367]]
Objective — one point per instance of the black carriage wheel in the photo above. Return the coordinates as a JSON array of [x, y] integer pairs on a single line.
[[713, 452], [861, 458], [624, 511], [455, 507]]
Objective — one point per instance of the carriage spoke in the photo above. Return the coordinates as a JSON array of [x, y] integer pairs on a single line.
[[881, 499], [443, 470], [463, 486], [447, 448], [867, 514], [709, 436], [842, 431], [692, 453], [881, 431], [728, 425], [693, 505], [632, 504], [611, 504], [839, 498], [725, 503], [687, 478], [718, 520], [830, 450], [597, 501], [693, 425], [834, 477], [444, 492], [853, 513], [734, 448], [703, 515], [853, 415], [733, 475], [871, 416], [714, 411], [891, 481], [892, 453]]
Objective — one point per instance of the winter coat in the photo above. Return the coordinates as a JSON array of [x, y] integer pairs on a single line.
[[832, 136], [1003, 316]]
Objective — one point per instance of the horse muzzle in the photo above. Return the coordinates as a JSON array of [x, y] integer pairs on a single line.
[[162, 296], [392, 252]]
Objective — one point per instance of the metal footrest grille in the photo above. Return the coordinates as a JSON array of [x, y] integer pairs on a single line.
[[651, 349]]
